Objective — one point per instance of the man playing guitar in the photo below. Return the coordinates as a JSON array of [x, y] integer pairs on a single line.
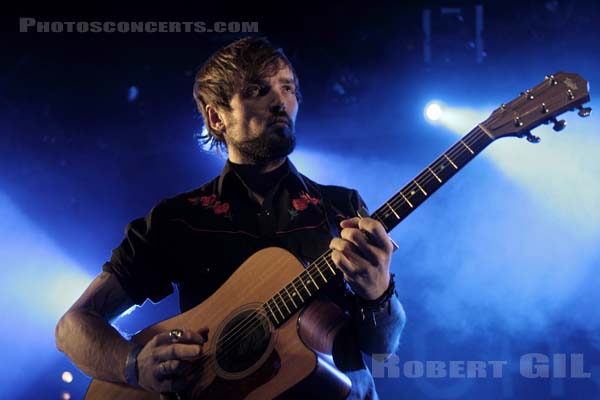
[[248, 95]]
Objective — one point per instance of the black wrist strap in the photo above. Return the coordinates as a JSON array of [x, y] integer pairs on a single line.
[[131, 368], [378, 304]]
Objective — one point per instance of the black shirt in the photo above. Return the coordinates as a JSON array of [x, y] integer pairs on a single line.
[[197, 239]]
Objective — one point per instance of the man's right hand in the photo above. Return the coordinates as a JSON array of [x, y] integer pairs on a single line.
[[163, 365]]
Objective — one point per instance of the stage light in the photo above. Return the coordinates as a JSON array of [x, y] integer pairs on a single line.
[[457, 119], [433, 111], [67, 377]]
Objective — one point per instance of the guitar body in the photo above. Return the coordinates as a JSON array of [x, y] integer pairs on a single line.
[[291, 361]]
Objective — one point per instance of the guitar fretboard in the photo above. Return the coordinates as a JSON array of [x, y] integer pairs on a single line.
[[393, 211], [298, 292]]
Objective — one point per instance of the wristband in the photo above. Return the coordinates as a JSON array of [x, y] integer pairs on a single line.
[[131, 367], [379, 303]]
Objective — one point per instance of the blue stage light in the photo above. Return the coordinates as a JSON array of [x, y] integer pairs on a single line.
[[39, 284]]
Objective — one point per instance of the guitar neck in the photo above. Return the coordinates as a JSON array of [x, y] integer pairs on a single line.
[[294, 295], [419, 189]]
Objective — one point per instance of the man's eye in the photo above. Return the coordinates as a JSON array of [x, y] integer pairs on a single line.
[[289, 89], [256, 90], [253, 90]]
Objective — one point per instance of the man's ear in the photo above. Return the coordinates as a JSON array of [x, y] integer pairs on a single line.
[[215, 121]]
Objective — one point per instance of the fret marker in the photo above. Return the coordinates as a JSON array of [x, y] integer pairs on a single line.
[[451, 162], [392, 210], [313, 282], [412, 192], [433, 173], [296, 291], [305, 287], [468, 148], [420, 188], [291, 296]]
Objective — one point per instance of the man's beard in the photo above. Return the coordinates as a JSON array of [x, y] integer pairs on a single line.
[[275, 143]]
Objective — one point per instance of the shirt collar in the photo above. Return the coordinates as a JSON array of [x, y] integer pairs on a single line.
[[228, 173]]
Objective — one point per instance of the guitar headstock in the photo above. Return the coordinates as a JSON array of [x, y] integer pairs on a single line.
[[557, 94]]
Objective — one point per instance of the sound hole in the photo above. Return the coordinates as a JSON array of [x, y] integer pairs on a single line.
[[243, 341]]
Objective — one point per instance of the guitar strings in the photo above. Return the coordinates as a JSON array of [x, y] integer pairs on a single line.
[[250, 322]]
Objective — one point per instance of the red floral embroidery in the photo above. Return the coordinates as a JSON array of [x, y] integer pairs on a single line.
[[220, 208], [208, 200], [211, 201], [301, 203]]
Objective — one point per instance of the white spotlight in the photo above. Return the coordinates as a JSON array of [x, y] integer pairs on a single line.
[[433, 111]]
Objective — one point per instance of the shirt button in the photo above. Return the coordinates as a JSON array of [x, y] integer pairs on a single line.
[[267, 213]]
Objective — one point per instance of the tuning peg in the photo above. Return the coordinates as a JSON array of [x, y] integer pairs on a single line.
[[532, 138], [584, 111], [552, 80], [517, 121], [558, 125]]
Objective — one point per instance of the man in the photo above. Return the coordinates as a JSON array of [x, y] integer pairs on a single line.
[[248, 95]]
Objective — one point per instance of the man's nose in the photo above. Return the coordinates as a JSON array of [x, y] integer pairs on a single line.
[[277, 102], [278, 107]]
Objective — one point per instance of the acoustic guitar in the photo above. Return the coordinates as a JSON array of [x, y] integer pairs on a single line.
[[274, 338]]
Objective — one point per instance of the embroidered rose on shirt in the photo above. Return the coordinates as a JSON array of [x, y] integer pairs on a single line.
[[301, 203], [208, 200], [211, 201], [221, 208]]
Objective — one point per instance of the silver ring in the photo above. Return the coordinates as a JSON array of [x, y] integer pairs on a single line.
[[175, 335]]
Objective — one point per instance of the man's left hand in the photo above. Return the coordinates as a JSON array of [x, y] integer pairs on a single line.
[[363, 252]]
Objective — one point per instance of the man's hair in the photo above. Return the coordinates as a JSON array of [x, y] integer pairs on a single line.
[[229, 71]]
